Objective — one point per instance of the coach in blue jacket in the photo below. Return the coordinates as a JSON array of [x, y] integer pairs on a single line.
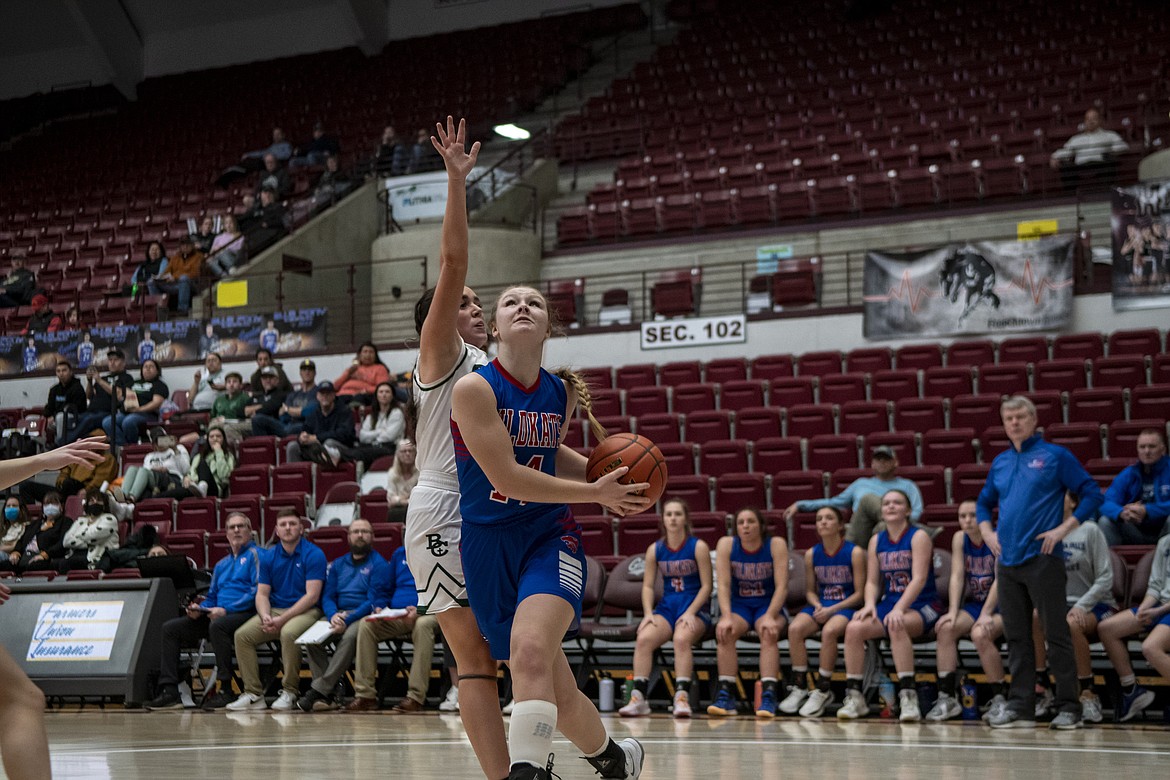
[[1028, 483], [1137, 502], [229, 603], [356, 582]]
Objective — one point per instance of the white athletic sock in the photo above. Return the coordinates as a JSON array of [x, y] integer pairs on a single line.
[[766, 680], [530, 732], [727, 679], [800, 670], [1128, 680], [826, 673]]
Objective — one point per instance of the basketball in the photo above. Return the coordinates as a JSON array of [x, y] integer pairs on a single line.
[[641, 455]]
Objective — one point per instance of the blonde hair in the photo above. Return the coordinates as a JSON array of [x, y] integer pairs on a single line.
[[584, 400]]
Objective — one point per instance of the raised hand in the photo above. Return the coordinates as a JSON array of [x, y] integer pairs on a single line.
[[89, 451], [451, 144]]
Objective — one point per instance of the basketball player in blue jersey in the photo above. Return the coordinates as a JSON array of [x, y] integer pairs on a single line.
[[521, 547], [452, 336], [752, 572], [976, 613], [84, 351], [901, 602], [681, 617], [835, 577]]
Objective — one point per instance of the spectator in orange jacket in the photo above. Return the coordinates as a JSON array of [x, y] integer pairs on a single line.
[[361, 379]]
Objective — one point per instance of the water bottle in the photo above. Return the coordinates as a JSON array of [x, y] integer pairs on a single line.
[[889, 697], [759, 695], [968, 696], [605, 690], [628, 689]]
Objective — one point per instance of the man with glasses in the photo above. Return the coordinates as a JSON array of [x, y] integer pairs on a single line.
[[229, 603]]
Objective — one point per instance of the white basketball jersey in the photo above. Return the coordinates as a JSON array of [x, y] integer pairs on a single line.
[[433, 405]]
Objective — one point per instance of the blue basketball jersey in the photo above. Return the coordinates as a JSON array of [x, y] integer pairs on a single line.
[[834, 573], [896, 564], [84, 354], [753, 580], [269, 338], [679, 569], [979, 566], [533, 416], [145, 351]]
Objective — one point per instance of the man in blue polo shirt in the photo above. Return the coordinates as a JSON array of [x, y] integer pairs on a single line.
[[356, 582], [230, 602], [292, 575], [1028, 483]]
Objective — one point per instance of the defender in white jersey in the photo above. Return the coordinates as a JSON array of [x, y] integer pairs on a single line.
[[452, 336]]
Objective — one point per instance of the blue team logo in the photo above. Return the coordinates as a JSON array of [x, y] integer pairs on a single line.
[[571, 542], [1036, 463]]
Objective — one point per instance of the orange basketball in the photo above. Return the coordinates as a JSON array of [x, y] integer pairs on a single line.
[[641, 455]]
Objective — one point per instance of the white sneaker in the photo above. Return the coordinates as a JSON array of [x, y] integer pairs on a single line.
[[994, 707], [682, 704], [795, 698], [908, 706], [636, 707], [854, 706], [945, 708], [451, 703], [284, 702], [1044, 703], [1090, 707], [815, 705], [507, 709], [635, 757], [248, 701]]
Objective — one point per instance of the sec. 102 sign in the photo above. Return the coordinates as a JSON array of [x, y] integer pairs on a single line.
[[696, 332]]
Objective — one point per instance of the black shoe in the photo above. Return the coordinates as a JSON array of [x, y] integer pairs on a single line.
[[620, 760], [306, 702], [167, 699], [533, 772], [218, 700]]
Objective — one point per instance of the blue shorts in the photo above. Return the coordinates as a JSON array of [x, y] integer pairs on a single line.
[[673, 608], [1163, 621], [975, 609], [930, 611], [506, 563], [1102, 611], [752, 612], [845, 613]]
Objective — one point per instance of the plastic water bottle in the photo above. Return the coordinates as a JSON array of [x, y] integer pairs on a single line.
[[968, 696], [628, 689], [605, 690], [759, 694], [889, 697]]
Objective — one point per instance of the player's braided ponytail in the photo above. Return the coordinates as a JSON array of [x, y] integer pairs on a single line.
[[584, 401]]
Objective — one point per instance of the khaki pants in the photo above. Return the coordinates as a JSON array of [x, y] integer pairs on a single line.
[[422, 636], [251, 634], [867, 521]]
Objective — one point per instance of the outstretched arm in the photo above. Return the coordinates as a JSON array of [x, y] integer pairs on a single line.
[[83, 451], [440, 343]]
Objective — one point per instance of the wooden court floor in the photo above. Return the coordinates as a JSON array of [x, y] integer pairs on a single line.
[[128, 745]]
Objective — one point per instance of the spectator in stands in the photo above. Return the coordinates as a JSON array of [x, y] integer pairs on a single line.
[[422, 154], [180, 275], [141, 402], [204, 238], [864, 496], [210, 470], [1152, 615], [93, 536], [401, 479], [1090, 154], [332, 183], [1137, 502], [66, 402], [751, 569], [244, 408], [362, 377], [230, 602], [227, 250], [682, 616], [42, 546], [279, 148], [1089, 595], [161, 470], [901, 604], [19, 286], [973, 610], [421, 629], [12, 528], [381, 429], [391, 157], [296, 405], [264, 359], [152, 267], [274, 177], [1029, 574], [265, 224], [209, 384], [101, 392], [328, 429], [292, 575], [356, 582], [71, 320], [318, 150], [43, 319]]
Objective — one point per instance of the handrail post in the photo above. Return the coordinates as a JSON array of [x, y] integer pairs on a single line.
[[352, 292]]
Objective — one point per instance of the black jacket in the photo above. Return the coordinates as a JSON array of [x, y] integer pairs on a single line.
[[49, 535], [72, 394]]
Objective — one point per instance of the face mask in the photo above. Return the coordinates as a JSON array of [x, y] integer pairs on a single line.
[[93, 510], [50, 510], [11, 513]]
